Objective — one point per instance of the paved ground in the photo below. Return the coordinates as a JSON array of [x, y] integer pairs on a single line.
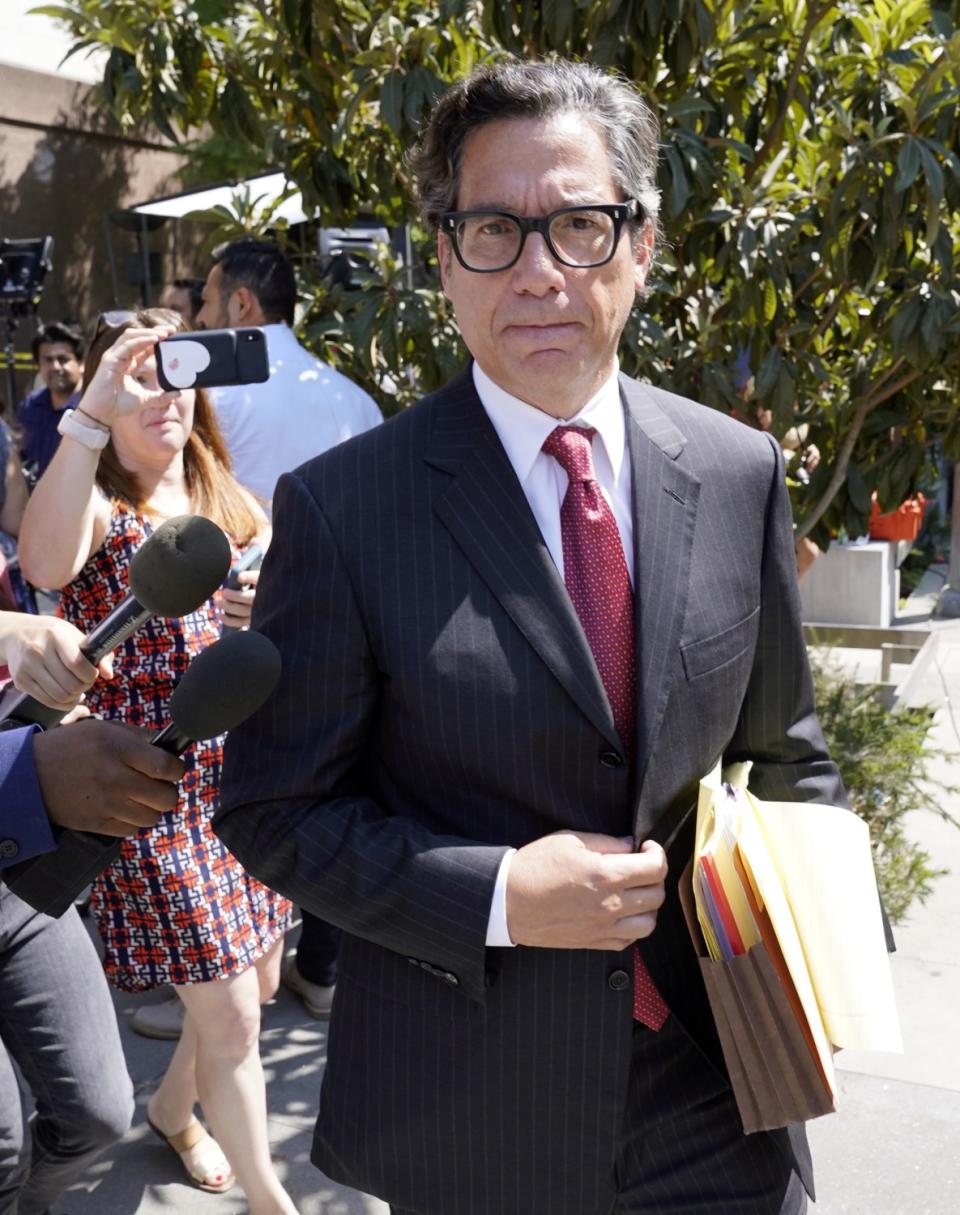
[[893, 1149]]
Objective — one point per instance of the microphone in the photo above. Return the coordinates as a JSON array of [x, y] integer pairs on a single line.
[[172, 573], [224, 685]]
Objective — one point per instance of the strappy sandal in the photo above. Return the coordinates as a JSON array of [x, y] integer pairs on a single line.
[[192, 1134]]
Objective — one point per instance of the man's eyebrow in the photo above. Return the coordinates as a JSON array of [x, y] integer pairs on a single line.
[[590, 201]]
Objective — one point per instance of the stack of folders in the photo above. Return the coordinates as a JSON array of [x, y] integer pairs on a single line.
[[782, 905]]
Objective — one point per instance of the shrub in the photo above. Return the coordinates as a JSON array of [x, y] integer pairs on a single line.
[[884, 757]]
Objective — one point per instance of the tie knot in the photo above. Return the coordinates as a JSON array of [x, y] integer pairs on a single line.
[[571, 447]]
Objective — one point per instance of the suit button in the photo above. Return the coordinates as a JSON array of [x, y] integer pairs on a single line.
[[8, 849], [611, 759], [619, 981]]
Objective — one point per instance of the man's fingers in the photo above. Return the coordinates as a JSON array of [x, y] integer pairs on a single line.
[[151, 761], [105, 666], [136, 815], [117, 827], [644, 868], [635, 900], [606, 844], [634, 927]]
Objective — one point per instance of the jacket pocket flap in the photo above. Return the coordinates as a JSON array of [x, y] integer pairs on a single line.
[[701, 657]]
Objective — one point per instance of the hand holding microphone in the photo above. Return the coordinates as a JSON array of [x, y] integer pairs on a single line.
[[45, 659], [173, 573], [222, 686]]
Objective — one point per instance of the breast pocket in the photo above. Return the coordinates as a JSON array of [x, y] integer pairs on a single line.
[[711, 653]]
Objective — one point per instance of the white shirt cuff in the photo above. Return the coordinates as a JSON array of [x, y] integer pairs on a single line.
[[497, 932]]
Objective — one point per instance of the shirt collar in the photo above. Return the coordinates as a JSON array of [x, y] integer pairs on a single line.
[[523, 428]]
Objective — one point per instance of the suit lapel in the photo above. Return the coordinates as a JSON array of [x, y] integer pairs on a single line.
[[665, 508], [486, 511]]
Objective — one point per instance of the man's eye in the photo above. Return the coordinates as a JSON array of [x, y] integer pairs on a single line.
[[493, 227], [579, 223]]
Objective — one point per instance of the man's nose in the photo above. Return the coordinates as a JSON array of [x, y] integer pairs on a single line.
[[536, 270]]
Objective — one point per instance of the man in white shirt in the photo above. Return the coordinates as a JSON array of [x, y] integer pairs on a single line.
[[518, 624], [305, 407]]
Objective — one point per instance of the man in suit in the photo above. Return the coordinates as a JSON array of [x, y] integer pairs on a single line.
[[518, 623]]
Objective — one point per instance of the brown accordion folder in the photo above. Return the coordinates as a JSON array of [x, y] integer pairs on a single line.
[[781, 903], [769, 1051]]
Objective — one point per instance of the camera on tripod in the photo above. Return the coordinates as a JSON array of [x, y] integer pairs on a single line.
[[23, 266]]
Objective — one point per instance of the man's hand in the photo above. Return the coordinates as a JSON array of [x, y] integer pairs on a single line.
[[45, 661], [105, 777], [577, 890]]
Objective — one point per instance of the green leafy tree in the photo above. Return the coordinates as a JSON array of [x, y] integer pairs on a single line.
[[810, 179]]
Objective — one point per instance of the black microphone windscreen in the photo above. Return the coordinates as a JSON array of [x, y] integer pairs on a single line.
[[224, 684], [180, 566]]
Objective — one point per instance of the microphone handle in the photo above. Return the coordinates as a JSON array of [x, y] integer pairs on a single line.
[[114, 629], [172, 740]]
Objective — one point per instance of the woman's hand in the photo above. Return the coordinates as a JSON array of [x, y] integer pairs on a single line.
[[45, 661], [115, 389], [237, 605]]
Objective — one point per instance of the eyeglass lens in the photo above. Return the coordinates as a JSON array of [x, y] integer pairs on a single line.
[[581, 238]]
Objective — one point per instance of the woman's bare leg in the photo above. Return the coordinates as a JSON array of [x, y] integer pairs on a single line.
[[224, 1020]]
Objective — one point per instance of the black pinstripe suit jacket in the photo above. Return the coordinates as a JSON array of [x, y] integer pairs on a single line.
[[438, 703]]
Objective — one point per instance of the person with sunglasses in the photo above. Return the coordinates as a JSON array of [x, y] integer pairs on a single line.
[[175, 907]]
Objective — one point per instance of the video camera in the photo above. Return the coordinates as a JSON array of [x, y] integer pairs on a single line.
[[23, 267]]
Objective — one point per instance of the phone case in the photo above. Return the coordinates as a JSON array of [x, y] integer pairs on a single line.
[[212, 358]]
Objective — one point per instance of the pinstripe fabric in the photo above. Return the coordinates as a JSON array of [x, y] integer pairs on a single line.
[[439, 703], [688, 1155]]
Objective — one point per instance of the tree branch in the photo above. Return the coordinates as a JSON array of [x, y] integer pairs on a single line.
[[814, 17], [874, 396], [831, 313]]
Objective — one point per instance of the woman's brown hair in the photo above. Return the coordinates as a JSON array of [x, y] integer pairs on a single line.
[[206, 462]]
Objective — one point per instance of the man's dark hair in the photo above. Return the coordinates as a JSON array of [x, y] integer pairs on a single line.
[[58, 331], [259, 266], [538, 90], [194, 287]]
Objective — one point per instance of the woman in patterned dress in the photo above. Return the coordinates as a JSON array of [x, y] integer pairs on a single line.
[[175, 907]]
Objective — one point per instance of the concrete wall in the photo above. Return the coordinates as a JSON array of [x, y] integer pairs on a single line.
[[64, 166]]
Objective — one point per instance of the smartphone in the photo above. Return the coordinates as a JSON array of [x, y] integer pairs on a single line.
[[252, 559], [213, 358]]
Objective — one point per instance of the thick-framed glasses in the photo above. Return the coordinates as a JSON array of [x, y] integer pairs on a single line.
[[581, 237]]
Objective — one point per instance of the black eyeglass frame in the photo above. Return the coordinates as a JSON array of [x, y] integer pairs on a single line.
[[620, 213]]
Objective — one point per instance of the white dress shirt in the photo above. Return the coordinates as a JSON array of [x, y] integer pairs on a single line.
[[523, 429], [304, 408]]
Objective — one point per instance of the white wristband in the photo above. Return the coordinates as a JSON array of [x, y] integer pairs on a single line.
[[73, 428]]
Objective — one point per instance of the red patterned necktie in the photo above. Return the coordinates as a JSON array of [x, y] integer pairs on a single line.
[[597, 580]]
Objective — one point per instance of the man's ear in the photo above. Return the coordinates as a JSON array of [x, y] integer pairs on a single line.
[[643, 257], [240, 305]]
